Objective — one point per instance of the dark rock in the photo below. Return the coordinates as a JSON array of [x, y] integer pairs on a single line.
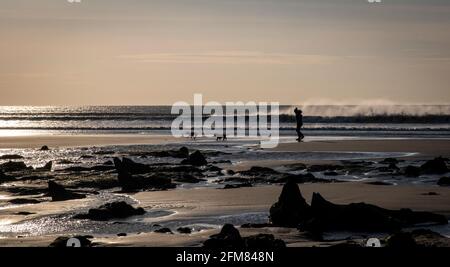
[[389, 161], [181, 153], [65, 161], [327, 216], [62, 241], [108, 163], [4, 177], [46, 167], [229, 237], [59, 193], [14, 166], [331, 173], [128, 182], [104, 152], [122, 234], [87, 157], [112, 210], [379, 183], [430, 194], [291, 208], [184, 230], [19, 201], [164, 230], [256, 225], [14, 156], [129, 166], [428, 238], [325, 167], [195, 159], [412, 171], [401, 240], [233, 186], [301, 178], [263, 241], [187, 178], [434, 166], [44, 148], [24, 213], [444, 181]]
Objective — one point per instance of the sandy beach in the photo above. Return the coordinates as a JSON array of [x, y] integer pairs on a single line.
[[197, 204]]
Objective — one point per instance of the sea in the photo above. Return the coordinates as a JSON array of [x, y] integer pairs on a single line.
[[380, 121]]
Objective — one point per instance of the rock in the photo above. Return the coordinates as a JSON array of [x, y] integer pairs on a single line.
[[13, 156], [428, 238], [379, 183], [256, 225], [187, 178], [129, 166], [444, 181], [65, 161], [184, 230], [195, 159], [401, 240], [229, 237], [291, 208], [331, 173], [233, 186], [112, 210], [20, 201], [44, 148], [14, 166], [62, 241], [164, 230], [324, 167], [24, 213], [301, 179], [327, 216], [181, 153], [263, 241], [46, 167], [412, 171], [389, 161], [59, 193], [4, 177], [259, 171], [430, 194], [435, 166], [122, 234], [129, 183]]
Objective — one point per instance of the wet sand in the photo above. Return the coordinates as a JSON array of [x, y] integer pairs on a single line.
[[425, 147], [37, 141], [190, 204]]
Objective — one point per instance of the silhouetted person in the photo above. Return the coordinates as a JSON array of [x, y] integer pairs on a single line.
[[299, 120]]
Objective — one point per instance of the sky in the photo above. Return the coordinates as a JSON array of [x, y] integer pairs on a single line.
[[145, 52]]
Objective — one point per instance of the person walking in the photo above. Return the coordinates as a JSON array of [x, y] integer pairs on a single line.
[[299, 120]]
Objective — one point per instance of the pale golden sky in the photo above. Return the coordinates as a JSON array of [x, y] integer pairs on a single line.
[[158, 52]]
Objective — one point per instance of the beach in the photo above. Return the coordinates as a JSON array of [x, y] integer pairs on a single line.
[[204, 206]]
